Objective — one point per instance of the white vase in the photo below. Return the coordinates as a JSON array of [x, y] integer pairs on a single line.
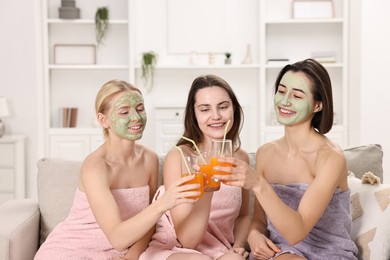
[[248, 56], [194, 58]]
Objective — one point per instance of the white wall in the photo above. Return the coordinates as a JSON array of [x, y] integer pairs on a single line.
[[19, 74], [375, 83], [19, 55]]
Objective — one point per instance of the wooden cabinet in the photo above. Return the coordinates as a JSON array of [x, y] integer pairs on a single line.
[[12, 167]]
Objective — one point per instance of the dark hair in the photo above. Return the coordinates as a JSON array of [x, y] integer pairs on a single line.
[[191, 128], [321, 88]]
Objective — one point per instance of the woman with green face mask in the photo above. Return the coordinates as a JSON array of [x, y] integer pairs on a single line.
[[302, 209], [111, 216]]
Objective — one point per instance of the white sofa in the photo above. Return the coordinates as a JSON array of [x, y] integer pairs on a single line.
[[25, 223]]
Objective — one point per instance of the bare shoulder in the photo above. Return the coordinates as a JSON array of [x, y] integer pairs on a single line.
[[330, 151], [242, 155], [93, 170], [148, 154], [94, 162], [267, 149], [172, 156], [331, 154]]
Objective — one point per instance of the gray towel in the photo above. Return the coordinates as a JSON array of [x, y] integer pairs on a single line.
[[330, 237]]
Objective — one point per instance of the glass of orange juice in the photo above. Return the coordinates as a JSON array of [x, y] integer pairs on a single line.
[[188, 167], [208, 171], [220, 148]]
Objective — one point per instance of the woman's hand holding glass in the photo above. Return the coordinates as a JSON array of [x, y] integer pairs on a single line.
[[219, 148], [184, 190], [240, 173]]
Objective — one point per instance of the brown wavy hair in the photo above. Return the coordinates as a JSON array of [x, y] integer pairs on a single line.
[[191, 127], [321, 88]]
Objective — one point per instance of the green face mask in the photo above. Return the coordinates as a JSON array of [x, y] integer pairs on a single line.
[[293, 101], [128, 116]]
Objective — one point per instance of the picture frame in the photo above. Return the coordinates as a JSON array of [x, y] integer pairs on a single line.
[[312, 9], [74, 54]]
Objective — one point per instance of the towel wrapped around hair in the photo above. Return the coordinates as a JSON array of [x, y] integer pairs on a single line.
[[329, 238]]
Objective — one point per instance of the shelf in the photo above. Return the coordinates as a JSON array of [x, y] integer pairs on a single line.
[[305, 21], [190, 67], [270, 32], [74, 130], [88, 67], [326, 65], [83, 21]]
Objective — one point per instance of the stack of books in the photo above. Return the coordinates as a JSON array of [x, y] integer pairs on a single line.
[[324, 56], [278, 61], [69, 117]]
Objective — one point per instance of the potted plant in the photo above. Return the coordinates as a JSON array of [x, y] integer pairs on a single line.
[[148, 65], [101, 24], [227, 58]]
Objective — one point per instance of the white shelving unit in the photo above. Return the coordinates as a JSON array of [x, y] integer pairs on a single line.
[[265, 25], [283, 37], [76, 85]]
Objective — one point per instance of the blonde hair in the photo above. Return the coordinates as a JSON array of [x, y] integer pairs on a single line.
[[105, 94]]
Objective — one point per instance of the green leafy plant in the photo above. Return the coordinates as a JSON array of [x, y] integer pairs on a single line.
[[148, 65], [101, 24], [227, 59]]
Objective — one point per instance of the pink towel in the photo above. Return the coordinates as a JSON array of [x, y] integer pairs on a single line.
[[219, 237], [80, 237]]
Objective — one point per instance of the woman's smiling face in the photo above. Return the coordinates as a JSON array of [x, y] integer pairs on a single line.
[[128, 116], [293, 100], [213, 109]]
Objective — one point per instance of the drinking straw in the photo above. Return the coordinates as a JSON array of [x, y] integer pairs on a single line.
[[224, 138], [184, 159], [196, 147]]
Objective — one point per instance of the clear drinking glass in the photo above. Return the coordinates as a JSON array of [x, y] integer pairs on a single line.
[[189, 166], [219, 148]]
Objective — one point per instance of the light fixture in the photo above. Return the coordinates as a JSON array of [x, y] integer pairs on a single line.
[[4, 111]]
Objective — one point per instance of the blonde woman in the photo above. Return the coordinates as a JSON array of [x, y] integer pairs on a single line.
[[111, 217]]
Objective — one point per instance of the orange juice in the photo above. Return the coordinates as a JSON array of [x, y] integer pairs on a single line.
[[199, 179], [210, 185], [214, 162]]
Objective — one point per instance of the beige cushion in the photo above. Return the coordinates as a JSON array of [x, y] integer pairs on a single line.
[[362, 159], [57, 182], [370, 207], [19, 221]]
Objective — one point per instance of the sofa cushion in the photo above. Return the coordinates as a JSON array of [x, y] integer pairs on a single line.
[[370, 207], [57, 182], [365, 158]]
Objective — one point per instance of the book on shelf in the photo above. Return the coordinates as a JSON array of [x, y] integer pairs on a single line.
[[279, 61], [324, 57], [69, 117]]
